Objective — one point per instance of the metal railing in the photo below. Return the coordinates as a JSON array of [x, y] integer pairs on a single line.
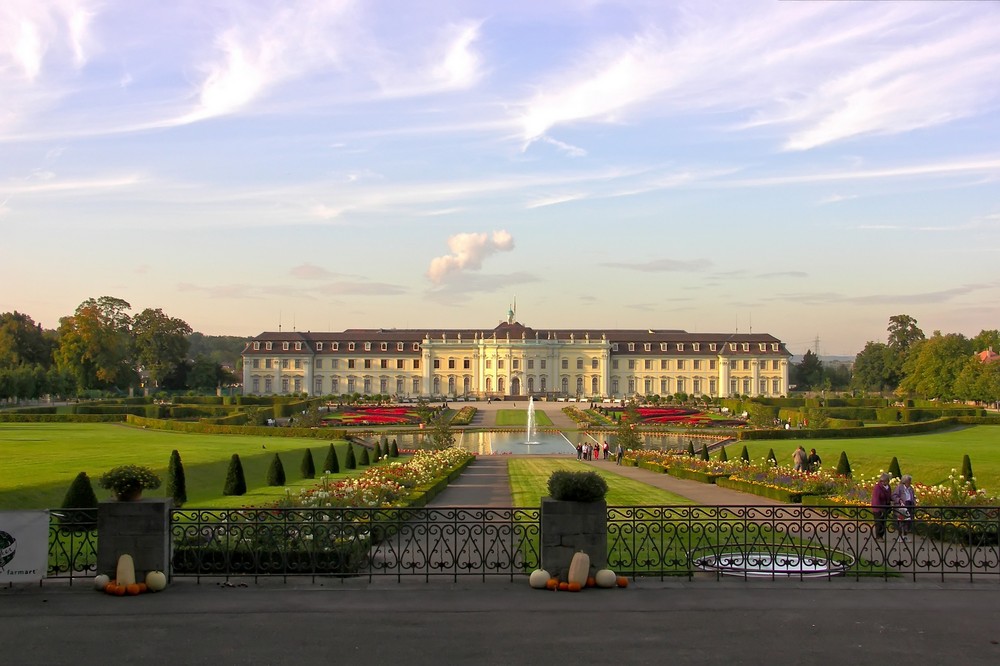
[[467, 542], [804, 542], [72, 544]]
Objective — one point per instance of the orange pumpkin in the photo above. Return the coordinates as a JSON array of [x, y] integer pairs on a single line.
[[552, 584], [591, 582], [132, 589], [563, 586], [142, 587], [110, 587], [119, 590], [573, 587], [622, 581]]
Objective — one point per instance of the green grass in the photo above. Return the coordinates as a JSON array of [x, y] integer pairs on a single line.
[[529, 478], [40, 461], [928, 457], [519, 417]]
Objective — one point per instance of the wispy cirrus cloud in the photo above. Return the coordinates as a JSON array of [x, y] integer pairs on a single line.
[[663, 265]]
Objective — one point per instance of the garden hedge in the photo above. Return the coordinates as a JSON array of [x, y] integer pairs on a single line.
[[787, 496], [209, 429]]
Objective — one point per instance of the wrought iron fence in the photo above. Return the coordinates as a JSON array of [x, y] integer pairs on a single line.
[[804, 542], [72, 544], [468, 542]]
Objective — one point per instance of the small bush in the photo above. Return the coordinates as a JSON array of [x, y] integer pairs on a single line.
[[332, 463], [690, 450], [771, 458], [844, 465], [967, 471], [176, 482], [577, 486], [394, 450], [723, 456], [364, 459], [744, 454], [350, 462], [307, 468], [80, 494], [704, 452], [236, 483], [894, 470], [276, 472]]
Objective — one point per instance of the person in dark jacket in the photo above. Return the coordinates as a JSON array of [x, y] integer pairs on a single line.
[[881, 504], [813, 461]]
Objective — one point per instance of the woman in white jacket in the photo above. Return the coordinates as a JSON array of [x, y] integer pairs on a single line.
[[904, 499]]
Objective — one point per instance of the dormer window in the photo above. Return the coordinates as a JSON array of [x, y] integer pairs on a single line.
[[696, 346], [680, 346], [298, 346], [256, 346], [746, 346], [384, 346], [319, 346], [334, 346], [663, 346], [763, 346], [284, 346], [712, 347], [774, 346], [368, 346], [267, 346], [350, 346], [732, 346], [631, 346], [646, 346], [399, 346], [614, 346], [416, 346]]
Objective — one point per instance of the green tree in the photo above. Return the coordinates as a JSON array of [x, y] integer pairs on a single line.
[[844, 465], [894, 470], [236, 482], [933, 365], [876, 368], [160, 343], [81, 495], [394, 449], [744, 454], [987, 339], [723, 456], [95, 344], [276, 472], [176, 482], [625, 433], [704, 451], [331, 465], [903, 333], [207, 375], [690, 448], [307, 468], [363, 458], [442, 436], [808, 374], [967, 474], [978, 381], [23, 342], [350, 462]]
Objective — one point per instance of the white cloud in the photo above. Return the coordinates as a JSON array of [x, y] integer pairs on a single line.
[[468, 250]]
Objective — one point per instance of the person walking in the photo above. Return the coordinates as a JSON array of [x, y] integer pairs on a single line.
[[881, 504], [904, 499], [813, 461], [799, 459], [619, 452]]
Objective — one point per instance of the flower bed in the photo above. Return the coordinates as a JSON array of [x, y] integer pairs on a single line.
[[366, 416], [694, 475], [772, 492]]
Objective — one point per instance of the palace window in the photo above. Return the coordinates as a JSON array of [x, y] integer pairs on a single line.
[[647, 346], [500, 365], [350, 346], [383, 363], [712, 347], [680, 346], [384, 346], [614, 386], [542, 383], [334, 363], [515, 364], [774, 364], [746, 365], [284, 346], [437, 363], [565, 364], [319, 346], [256, 384], [648, 386], [284, 385], [334, 385], [541, 365], [665, 386], [416, 364], [711, 364], [746, 346], [664, 364], [631, 346], [451, 364], [489, 364], [579, 385], [763, 346], [368, 347], [711, 387], [631, 364], [298, 346], [416, 346], [451, 385], [466, 364], [368, 385], [399, 364], [319, 364], [368, 364], [298, 364], [579, 364], [383, 385], [350, 364], [696, 364], [256, 363], [614, 346], [696, 386], [531, 364], [696, 346], [334, 346], [775, 386], [614, 364], [267, 346], [399, 347], [399, 385], [298, 384], [416, 386], [680, 364], [284, 364], [663, 346], [267, 384], [593, 364], [267, 363], [732, 346], [680, 385], [256, 346], [594, 386], [565, 384], [648, 364]]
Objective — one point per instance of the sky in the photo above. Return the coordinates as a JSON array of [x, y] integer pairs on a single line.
[[804, 169]]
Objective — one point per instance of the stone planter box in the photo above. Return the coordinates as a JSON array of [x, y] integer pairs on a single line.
[[140, 529], [568, 527]]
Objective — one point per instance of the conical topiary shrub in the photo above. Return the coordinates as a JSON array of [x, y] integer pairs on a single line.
[[332, 464], [363, 458], [176, 482], [723, 456], [394, 450], [81, 495], [894, 468], [236, 483], [350, 462], [967, 472], [690, 450], [307, 468], [844, 465], [771, 458], [704, 451], [744, 454], [276, 472]]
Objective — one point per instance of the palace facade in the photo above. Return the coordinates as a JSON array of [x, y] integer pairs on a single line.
[[513, 360]]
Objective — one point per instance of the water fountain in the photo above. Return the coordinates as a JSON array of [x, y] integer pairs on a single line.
[[531, 434]]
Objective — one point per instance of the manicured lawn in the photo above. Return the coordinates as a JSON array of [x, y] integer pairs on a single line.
[[529, 478], [519, 417], [40, 460], [929, 458]]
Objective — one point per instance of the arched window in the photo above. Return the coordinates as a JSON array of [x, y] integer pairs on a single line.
[[451, 386], [594, 386], [500, 384], [437, 386], [531, 384], [489, 384], [565, 384], [542, 380]]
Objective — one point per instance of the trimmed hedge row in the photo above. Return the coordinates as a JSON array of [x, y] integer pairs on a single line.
[[847, 433], [787, 496], [210, 429], [702, 477], [61, 418]]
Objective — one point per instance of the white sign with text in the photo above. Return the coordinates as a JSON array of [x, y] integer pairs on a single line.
[[24, 546]]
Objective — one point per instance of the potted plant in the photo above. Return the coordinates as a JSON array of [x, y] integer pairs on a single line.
[[128, 481]]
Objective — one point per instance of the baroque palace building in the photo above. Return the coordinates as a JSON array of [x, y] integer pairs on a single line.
[[514, 360]]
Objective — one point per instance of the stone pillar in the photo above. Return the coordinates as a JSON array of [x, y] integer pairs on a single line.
[[140, 529], [571, 526]]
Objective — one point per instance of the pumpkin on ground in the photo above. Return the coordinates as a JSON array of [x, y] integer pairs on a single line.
[[591, 581], [101, 581], [126, 570], [538, 579], [132, 589], [552, 583], [579, 568], [573, 587], [156, 581], [563, 586], [622, 581], [605, 578]]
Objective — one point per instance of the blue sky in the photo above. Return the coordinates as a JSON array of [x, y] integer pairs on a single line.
[[805, 168]]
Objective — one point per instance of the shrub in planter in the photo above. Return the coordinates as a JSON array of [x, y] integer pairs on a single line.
[[332, 463], [124, 479], [894, 470], [577, 486], [350, 462], [844, 465], [176, 482], [236, 482], [307, 468], [276, 472]]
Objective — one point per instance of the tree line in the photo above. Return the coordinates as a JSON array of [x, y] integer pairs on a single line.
[[102, 347]]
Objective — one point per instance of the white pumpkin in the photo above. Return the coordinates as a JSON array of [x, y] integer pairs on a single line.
[[538, 579], [101, 581], [156, 581], [579, 568], [126, 571], [605, 578]]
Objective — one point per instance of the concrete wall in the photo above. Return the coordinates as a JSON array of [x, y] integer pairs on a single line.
[[568, 527]]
